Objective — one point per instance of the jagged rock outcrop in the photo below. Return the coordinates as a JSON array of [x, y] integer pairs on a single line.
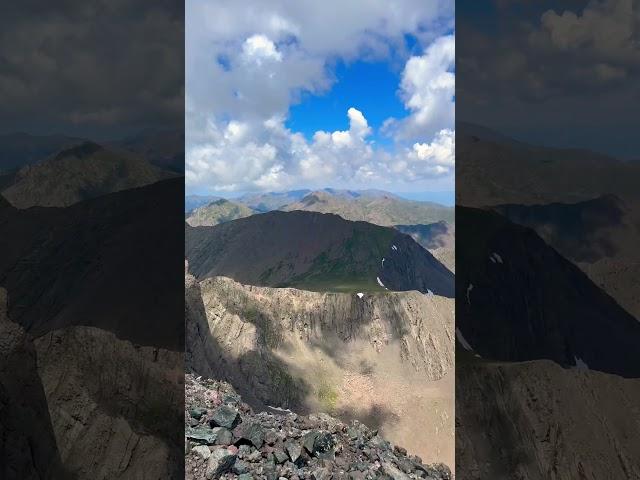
[[28, 447], [536, 420], [115, 407], [383, 357], [224, 438]]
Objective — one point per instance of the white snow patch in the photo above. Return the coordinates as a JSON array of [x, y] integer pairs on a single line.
[[581, 364], [463, 340], [495, 258], [360, 294], [469, 288], [278, 409], [383, 262], [394, 248], [380, 282]]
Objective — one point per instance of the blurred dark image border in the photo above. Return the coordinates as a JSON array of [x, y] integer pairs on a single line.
[[547, 213], [91, 240]]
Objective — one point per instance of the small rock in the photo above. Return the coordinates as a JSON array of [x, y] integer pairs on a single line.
[[280, 456], [201, 435], [202, 450], [400, 450], [223, 436], [240, 467], [225, 416], [254, 456], [437, 470], [244, 450], [294, 450], [405, 465], [353, 433], [380, 443], [271, 437], [321, 474], [393, 472], [323, 445], [309, 440], [251, 432], [197, 412], [219, 462]]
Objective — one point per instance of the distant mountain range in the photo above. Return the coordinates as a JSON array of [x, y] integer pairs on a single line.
[[265, 202], [81, 172], [314, 251], [376, 207], [218, 211], [492, 169], [429, 224], [191, 202], [20, 149], [163, 148], [373, 206]]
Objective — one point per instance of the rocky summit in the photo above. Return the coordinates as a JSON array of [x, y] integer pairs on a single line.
[[225, 438]]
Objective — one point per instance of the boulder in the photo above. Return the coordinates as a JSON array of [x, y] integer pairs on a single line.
[[225, 416], [219, 462]]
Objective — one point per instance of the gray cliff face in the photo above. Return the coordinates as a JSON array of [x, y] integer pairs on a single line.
[[245, 319], [522, 420], [114, 406], [27, 442], [382, 358]]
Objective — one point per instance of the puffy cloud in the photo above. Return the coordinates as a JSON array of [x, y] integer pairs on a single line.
[[607, 28], [259, 48], [428, 89], [267, 155], [439, 152], [243, 72]]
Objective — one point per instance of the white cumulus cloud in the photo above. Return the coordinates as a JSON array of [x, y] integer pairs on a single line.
[[428, 89], [259, 48], [244, 71]]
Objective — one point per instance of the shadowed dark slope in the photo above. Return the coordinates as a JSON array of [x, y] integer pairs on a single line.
[[577, 230], [518, 299], [110, 262], [314, 251]]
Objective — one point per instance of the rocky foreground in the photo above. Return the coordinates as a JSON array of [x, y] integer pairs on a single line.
[[224, 438]]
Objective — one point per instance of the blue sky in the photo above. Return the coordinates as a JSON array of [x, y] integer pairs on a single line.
[[367, 104], [371, 87]]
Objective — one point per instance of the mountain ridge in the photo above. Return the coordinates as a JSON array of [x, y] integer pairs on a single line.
[[307, 249]]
